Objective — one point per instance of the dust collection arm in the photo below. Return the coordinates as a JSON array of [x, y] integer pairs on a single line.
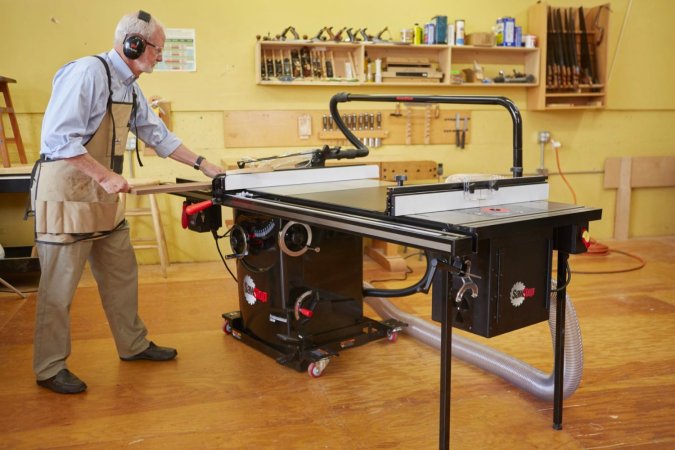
[[517, 168]]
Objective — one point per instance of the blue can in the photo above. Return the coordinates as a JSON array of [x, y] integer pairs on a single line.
[[429, 33], [441, 23], [509, 31], [519, 37]]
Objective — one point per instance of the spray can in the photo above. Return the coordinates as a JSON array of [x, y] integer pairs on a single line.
[[378, 70], [499, 32], [418, 34], [459, 32], [518, 37], [429, 33]]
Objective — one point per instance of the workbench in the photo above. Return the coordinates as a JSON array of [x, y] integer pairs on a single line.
[[18, 267]]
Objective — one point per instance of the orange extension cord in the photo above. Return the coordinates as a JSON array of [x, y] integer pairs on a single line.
[[562, 175], [597, 249]]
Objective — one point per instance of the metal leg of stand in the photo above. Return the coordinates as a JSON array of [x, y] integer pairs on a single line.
[[441, 285], [12, 288], [559, 358]]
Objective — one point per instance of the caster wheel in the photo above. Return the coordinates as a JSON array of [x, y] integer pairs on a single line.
[[314, 370], [392, 336], [227, 327]]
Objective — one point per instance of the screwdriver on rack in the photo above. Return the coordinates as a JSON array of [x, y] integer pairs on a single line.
[[458, 123]]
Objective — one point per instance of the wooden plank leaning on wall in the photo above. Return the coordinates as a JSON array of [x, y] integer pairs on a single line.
[[626, 173]]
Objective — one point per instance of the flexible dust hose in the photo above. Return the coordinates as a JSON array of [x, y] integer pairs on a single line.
[[511, 369]]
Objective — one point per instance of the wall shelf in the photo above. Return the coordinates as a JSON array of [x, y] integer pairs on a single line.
[[304, 63]]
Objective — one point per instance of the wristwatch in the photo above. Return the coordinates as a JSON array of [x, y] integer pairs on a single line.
[[198, 162]]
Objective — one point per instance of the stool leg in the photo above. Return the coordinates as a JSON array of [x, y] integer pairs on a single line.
[[12, 288], [159, 233], [4, 154], [9, 108]]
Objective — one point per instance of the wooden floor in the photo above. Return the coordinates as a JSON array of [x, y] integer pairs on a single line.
[[220, 393]]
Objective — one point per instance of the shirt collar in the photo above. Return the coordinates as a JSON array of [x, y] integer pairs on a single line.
[[121, 68]]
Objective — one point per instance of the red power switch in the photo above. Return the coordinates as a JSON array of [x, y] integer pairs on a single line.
[[586, 237], [306, 312]]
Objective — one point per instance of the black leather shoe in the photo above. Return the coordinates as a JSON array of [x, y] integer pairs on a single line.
[[64, 382], [153, 353]]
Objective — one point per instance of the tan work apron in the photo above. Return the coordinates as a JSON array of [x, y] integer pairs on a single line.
[[69, 205]]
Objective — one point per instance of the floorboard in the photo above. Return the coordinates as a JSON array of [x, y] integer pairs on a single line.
[[220, 393]]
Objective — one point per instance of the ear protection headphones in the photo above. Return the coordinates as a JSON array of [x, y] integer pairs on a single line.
[[134, 44]]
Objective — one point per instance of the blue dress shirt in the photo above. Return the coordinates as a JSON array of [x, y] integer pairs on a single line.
[[78, 104]]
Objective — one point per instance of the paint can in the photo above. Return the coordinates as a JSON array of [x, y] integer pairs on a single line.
[[530, 40]]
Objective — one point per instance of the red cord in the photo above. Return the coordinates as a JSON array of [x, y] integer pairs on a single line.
[[597, 249]]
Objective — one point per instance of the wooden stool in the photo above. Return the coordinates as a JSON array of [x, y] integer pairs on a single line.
[[158, 241], [16, 135]]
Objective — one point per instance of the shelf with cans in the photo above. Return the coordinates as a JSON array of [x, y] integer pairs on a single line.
[[301, 62]]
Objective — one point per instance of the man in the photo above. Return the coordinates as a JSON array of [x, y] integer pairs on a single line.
[[78, 216]]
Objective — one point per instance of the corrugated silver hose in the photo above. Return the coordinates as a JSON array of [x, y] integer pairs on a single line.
[[511, 369]]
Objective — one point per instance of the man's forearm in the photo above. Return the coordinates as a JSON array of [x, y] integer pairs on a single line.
[[109, 180], [186, 156], [85, 163]]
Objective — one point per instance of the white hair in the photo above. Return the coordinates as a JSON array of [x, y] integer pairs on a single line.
[[132, 24]]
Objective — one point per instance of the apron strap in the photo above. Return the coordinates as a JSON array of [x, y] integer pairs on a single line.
[[29, 211], [109, 107], [134, 110]]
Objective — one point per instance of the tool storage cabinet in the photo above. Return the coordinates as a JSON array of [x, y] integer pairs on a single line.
[[584, 96]]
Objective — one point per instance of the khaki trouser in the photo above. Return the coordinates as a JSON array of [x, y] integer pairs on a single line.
[[113, 264]]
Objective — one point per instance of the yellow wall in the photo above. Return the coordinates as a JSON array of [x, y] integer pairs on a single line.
[[40, 35]]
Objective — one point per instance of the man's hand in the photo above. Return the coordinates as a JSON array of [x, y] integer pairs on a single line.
[[210, 169], [114, 183], [109, 180], [186, 156]]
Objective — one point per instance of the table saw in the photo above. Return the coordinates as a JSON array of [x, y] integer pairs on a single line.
[[297, 242]]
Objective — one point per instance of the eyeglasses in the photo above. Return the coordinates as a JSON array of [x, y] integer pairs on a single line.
[[157, 48]]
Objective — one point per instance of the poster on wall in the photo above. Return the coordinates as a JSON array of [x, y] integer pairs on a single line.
[[180, 51]]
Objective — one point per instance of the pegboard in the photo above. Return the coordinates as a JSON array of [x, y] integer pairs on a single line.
[[403, 125]]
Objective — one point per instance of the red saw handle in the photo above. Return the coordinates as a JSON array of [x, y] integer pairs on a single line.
[[196, 207]]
